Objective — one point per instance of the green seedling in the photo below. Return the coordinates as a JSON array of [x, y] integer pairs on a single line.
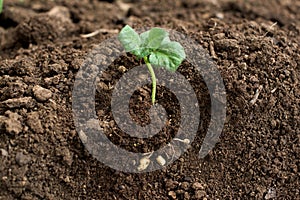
[[155, 48], [1, 6]]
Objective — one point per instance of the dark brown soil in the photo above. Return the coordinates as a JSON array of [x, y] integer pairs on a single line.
[[255, 45]]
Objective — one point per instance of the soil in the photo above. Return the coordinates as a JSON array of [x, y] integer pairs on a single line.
[[254, 44]]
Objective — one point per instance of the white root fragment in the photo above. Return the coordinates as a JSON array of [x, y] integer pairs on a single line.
[[161, 160], [96, 32], [270, 29], [144, 163], [83, 137], [186, 141], [212, 50], [253, 101], [274, 90]]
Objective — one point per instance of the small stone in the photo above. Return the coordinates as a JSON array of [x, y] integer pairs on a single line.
[[144, 163], [3, 152], [121, 187], [67, 179], [41, 94], [244, 66], [22, 159], [220, 15], [172, 194], [197, 186], [187, 178], [122, 69], [83, 137], [60, 12], [161, 160]]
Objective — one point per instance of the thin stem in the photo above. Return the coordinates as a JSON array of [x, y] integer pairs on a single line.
[[153, 78], [1, 6]]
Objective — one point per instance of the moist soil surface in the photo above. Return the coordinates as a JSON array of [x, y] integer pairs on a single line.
[[255, 47]]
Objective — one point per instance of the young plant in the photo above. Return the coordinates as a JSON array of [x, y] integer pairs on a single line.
[[155, 48], [1, 6]]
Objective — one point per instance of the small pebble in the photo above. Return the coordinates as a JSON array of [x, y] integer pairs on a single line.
[[220, 15], [122, 69], [187, 178], [3, 152], [161, 160], [172, 194], [121, 187], [144, 163], [41, 94], [83, 137], [22, 159]]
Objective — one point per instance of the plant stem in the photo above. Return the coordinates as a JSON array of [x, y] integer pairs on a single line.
[[153, 79], [1, 6]]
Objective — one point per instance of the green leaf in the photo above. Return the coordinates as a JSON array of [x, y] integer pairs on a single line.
[[130, 40], [153, 38], [154, 43], [144, 37], [169, 55], [165, 41]]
